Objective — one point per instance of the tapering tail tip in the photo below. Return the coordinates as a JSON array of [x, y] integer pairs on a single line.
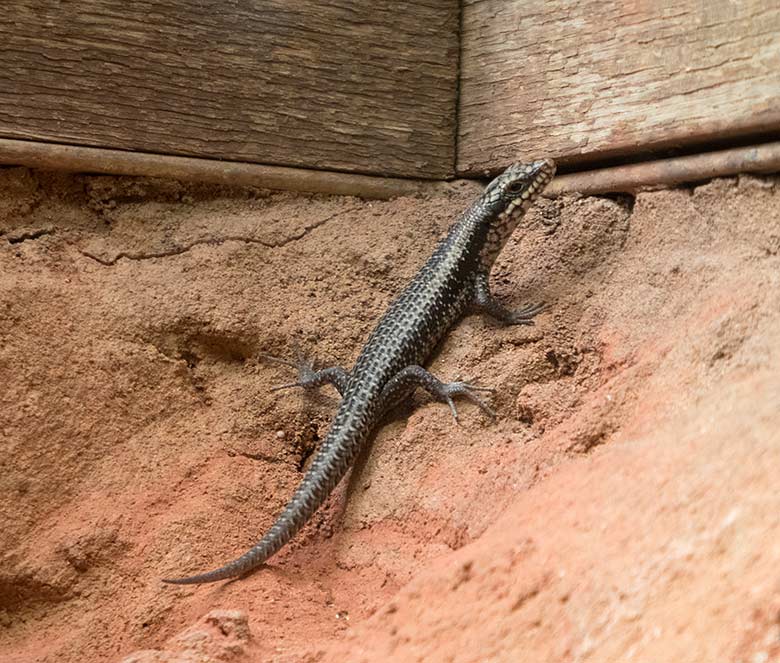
[[193, 580], [202, 579]]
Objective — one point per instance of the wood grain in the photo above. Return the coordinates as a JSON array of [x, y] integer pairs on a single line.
[[360, 87], [588, 80]]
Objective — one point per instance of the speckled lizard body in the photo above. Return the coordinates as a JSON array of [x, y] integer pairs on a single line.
[[453, 280]]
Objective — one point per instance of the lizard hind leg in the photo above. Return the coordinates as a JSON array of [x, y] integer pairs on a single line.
[[404, 382], [308, 378]]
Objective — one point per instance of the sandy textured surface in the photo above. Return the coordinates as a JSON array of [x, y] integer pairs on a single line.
[[625, 506]]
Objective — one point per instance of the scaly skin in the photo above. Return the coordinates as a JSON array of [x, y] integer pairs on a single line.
[[454, 279]]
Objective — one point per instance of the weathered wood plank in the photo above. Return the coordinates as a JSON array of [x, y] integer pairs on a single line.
[[594, 79], [363, 87]]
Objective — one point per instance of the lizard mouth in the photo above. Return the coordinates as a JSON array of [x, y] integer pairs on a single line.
[[541, 172]]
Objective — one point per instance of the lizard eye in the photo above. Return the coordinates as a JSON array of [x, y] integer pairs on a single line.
[[516, 187]]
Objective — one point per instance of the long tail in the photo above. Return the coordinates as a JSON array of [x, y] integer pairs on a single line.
[[329, 466]]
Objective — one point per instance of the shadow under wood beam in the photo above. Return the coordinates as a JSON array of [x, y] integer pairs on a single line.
[[764, 158]]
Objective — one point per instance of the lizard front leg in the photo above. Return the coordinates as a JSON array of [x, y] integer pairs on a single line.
[[484, 302]]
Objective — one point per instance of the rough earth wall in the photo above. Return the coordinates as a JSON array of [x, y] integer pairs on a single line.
[[624, 506]]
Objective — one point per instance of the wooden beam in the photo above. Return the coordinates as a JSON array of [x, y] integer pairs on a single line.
[[756, 159], [764, 158], [79, 159], [593, 79], [364, 87]]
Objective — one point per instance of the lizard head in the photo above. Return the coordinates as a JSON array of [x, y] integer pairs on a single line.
[[507, 198]]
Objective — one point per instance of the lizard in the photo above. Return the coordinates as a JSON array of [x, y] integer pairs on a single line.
[[454, 281]]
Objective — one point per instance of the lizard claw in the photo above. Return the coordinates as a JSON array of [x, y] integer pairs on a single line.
[[305, 368], [526, 315], [467, 390]]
